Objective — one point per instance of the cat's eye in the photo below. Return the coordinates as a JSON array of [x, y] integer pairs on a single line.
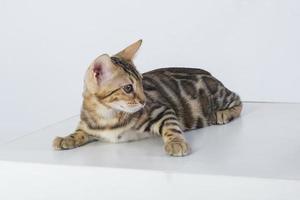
[[128, 88]]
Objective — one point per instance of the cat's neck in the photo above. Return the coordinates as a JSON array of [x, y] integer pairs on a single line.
[[100, 110], [105, 112]]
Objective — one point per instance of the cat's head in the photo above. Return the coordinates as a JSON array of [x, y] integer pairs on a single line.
[[114, 81]]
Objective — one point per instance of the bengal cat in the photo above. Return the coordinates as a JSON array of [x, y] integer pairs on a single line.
[[120, 104]]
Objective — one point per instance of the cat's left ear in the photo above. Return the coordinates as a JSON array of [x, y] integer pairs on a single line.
[[129, 52]]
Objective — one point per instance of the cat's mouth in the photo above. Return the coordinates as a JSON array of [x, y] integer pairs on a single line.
[[132, 108], [127, 107]]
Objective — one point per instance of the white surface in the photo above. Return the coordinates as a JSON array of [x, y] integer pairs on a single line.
[[255, 157], [264, 143], [252, 46], [48, 182]]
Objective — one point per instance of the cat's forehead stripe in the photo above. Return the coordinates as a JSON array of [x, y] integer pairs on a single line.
[[127, 67]]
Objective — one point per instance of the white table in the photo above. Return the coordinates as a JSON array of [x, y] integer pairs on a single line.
[[255, 157]]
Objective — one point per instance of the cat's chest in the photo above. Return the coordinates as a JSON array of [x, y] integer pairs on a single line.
[[119, 135]]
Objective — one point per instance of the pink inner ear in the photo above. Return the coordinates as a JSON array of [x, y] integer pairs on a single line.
[[97, 70]]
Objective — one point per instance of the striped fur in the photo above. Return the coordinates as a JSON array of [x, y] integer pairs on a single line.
[[163, 102]]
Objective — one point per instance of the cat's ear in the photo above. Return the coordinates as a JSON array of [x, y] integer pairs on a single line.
[[102, 68], [129, 52], [98, 72]]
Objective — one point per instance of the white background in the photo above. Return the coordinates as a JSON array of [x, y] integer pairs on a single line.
[[45, 46]]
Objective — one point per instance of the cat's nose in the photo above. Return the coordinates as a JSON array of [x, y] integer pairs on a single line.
[[142, 102], [142, 99]]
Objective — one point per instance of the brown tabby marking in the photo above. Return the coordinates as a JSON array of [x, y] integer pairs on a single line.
[[120, 104]]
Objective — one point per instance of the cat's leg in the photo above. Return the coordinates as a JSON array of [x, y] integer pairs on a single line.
[[174, 142], [76, 139], [227, 115], [168, 127]]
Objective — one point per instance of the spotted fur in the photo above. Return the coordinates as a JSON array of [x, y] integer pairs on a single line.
[[164, 102]]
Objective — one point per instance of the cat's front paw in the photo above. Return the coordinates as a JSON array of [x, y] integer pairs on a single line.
[[60, 143], [177, 148]]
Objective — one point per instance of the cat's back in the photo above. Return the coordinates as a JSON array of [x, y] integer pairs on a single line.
[[193, 93], [175, 71], [181, 81]]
